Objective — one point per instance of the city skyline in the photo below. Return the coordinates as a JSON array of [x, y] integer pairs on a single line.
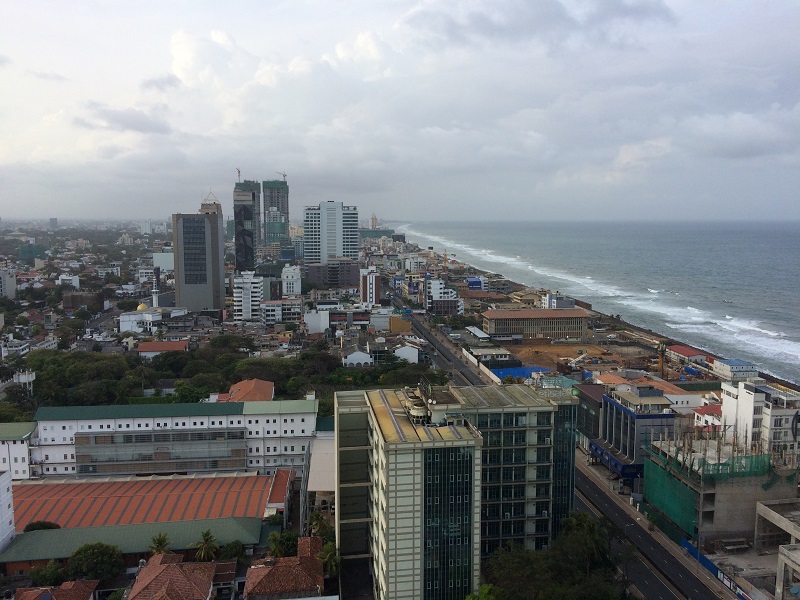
[[630, 110]]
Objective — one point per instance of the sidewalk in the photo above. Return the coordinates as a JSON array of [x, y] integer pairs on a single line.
[[598, 473]]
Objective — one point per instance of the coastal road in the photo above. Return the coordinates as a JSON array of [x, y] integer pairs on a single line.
[[637, 570], [682, 578]]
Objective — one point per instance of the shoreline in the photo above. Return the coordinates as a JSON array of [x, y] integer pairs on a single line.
[[625, 325]]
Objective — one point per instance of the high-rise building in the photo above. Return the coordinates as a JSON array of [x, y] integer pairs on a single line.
[[369, 286], [198, 243], [276, 213], [8, 283], [408, 495], [248, 292], [247, 223], [330, 231]]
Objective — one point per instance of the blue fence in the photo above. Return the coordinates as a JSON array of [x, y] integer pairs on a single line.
[[713, 569]]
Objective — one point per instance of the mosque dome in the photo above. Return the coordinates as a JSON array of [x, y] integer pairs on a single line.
[[142, 306]]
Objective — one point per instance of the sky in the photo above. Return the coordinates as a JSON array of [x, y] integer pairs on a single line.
[[411, 110]]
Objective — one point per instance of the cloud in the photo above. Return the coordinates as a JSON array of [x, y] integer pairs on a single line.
[[128, 119], [4, 60], [49, 76], [162, 84], [740, 135]]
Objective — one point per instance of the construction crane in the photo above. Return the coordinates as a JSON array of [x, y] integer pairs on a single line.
[[282, 173]]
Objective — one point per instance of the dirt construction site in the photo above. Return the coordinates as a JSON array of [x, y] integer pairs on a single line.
[[606, 356]]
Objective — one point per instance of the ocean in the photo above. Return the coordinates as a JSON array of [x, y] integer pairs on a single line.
[[732, 289]]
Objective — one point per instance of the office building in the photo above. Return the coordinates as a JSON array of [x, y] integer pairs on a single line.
[[407, 495], [276, 212], [331, 231], [247, 223], [248, 292], [291, 281], [198, 241]]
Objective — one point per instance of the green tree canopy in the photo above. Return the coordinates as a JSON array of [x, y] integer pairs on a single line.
[[207, 547], [39, 525], [96, 561]]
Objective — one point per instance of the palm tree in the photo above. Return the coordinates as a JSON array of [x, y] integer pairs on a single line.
[[330, 559], [207, 547], [159, 543], [317, 524]]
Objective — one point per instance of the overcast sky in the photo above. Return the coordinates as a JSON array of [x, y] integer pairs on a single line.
[[501, 110]]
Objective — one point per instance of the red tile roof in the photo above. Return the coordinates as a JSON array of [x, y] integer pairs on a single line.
[[181, 346], [69, 590], [164, 579], [291, 574], [124, 502], [709, 409], [251, 390], [686, 351]]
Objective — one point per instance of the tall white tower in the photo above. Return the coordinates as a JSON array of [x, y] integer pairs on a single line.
[[331, 231]]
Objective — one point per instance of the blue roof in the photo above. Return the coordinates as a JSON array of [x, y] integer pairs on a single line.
[[523, 372], [735, 362]]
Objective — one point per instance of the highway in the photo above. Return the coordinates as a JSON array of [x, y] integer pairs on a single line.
[[445, 358], [684, 580]]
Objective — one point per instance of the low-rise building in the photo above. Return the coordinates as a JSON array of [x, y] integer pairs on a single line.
[[565, 324], [733, 369], [16, 440]]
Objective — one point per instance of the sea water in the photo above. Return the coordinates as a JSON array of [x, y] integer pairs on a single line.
[[732, 289]]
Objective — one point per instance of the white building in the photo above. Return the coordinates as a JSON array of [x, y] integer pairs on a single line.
[[6, 510], [15, 443], [163, 438], [760, 414], [147, 320], [164, 260], [370, 286], [330, 231], [67, 279], [291, 281], [248, 292], [286, 310], [732, 369], [8, 284], [103, 271]]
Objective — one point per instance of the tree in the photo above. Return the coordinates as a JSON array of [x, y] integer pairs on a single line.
[[282, 544], [96, 561], [39, 525], [206, 547], [486, 592], [234, 549], [51, 574], [317, 524], [159, 544], [329, 556]]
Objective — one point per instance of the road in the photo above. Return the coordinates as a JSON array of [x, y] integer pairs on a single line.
[[446, 359], [683, 579], [637, 570]]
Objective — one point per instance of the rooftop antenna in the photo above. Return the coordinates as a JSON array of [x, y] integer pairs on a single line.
[[239, 175], [282, 173]]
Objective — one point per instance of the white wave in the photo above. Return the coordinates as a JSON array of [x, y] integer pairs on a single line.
[[652, 291]]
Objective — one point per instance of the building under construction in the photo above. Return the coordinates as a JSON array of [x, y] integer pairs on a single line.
[[709, 488]]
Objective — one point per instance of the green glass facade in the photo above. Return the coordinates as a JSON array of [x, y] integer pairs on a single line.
[[447, 536]]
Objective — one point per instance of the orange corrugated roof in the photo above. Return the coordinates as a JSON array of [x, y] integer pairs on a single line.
[[96, 504], [163, 346], [279, 486], [250, 390]]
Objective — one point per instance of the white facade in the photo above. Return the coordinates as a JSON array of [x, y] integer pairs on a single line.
[[248, 292], [6, 511], [370, 286], [15, 458], [291, 281], [103, 271], [759, 412], [278, 433], [66, 279], [330, 231], [147, 321], [8, 284], [733, 370], [287, 310]]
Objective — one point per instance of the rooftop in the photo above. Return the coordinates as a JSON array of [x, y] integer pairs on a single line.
[[16, 431], [137, 411], [180, 346], [536, 313], [251, 390], [516, 396], [69, 590]]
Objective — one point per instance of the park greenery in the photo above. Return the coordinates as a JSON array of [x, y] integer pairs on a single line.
[[93, 379]]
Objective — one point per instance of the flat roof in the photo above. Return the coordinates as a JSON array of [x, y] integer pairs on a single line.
[[515, 396], [536, 313], [137, 411], [396, 427], [126, 501], [280, 407], [322, 470]]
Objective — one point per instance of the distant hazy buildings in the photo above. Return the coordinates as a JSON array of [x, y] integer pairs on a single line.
[[330, 231], [198, 242], [8, 284]]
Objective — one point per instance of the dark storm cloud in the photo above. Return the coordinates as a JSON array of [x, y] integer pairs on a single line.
[[128, 119], [161, 84]]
